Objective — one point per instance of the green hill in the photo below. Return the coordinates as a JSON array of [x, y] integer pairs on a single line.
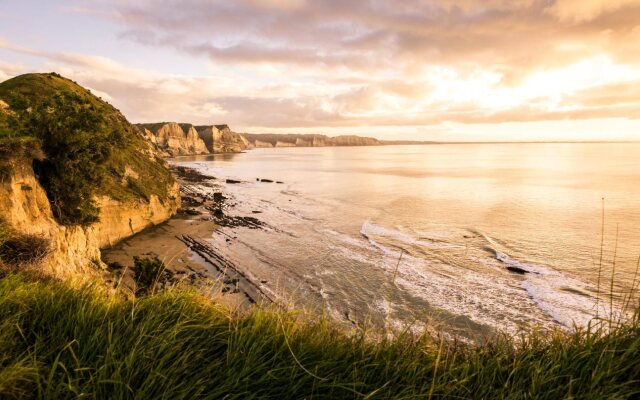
[[90, 148]]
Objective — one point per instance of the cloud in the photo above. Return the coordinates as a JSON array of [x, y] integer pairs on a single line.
[[8, 70], [587, 10], [336, 64]]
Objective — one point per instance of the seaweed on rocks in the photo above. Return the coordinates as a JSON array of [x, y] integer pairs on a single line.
[[233, 221], [190, 174]]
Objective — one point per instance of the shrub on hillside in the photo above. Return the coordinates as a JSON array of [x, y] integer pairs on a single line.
[[18, 250], [150, 275], [77, 141]]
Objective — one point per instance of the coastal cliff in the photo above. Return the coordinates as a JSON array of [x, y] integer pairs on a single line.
[[261, 144], [175, 139], [105, 184], [221, 139], [300, 140], [73, 249]]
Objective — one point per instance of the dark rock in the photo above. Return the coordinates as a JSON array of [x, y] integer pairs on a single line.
[[232, 181], [189, 201], [218, 197], [256, 212], [517, 270], [280, 182], [190, 174], [218, 213], [266, 180]]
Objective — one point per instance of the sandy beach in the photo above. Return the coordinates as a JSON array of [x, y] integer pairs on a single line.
[[186, 243]]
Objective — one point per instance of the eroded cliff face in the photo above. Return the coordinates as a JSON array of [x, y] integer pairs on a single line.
[[221, 139], [176, 141], [302, 143], [309, 140], [261, 144], [352, 140], [74, 249], [280, 143]]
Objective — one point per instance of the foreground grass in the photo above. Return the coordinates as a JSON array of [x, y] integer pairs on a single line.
[[57, 341]]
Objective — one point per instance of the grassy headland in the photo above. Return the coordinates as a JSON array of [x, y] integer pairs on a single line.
[[60, 341], [90, 149]]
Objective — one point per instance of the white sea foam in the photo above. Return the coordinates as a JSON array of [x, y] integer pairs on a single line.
[[347, 239], [547, 289], [487, 299], [369, 229]]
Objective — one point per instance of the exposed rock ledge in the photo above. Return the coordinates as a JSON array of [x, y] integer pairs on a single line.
[[24, 206]]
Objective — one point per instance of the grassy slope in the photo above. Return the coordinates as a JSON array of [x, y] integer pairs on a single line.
[[153, 178], [61, 342]]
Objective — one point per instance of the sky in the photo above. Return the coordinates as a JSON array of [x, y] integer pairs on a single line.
[[443, 70]]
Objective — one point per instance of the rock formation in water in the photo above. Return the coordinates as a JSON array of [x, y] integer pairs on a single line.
[[135, 190], [175, 139], [300, 140]]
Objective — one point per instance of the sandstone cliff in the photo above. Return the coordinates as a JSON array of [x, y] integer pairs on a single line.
[[302, 143], [284, 144], [307, 140], [260, 143], [221, 139], [76, 173], [74, 249], [352, 140], [175, 139]]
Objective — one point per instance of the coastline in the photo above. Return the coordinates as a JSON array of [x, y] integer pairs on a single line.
[[187, 243]]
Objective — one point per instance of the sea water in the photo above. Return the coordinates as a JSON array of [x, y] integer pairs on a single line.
[[471, 237]]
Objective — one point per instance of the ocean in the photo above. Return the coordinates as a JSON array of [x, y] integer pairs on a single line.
[[469, 238]]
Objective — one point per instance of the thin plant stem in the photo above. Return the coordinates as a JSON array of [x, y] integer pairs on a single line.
[[613, 272], [395, 273], [600, 263]]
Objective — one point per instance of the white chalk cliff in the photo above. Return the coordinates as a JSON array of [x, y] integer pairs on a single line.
[[174, 139]]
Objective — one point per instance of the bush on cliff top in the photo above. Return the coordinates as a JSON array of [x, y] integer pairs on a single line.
[[57, 342], [88, 144]]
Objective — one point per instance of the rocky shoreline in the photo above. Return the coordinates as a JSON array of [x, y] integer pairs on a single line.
[[185, 244]]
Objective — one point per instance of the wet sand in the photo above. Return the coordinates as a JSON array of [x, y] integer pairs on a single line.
[[183, 243]]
